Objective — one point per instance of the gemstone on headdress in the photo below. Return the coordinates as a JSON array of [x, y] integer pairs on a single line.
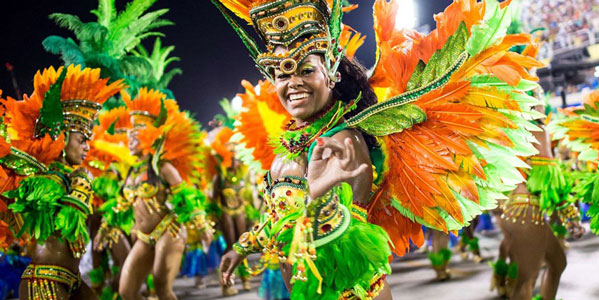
[[288, 66], [280, 23]]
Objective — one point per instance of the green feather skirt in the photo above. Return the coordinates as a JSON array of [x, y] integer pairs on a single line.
[[349, 262]]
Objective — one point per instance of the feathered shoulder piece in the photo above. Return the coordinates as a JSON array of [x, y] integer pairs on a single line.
[[452, 117], [165, 132], [579, 128]]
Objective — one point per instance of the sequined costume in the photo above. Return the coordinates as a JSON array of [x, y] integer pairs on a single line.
[[54, 199], [450, 120]]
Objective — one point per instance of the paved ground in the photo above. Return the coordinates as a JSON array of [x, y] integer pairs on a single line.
[[412, 277]]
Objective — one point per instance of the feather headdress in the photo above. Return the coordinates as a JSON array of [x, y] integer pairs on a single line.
[[64, 100], [302, 27], [165, 132]]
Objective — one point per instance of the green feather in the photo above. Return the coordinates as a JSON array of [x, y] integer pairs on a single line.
[[161, 119], [493, 29], [51, 117], [67, 21], [441, 60], [247, 40], [107, 43], [133, 11], [158, 60], [106, 12], [66, 48], [500, 267], [335, 24], [388, 120], [110, 129], [37, 200], [416, 77]]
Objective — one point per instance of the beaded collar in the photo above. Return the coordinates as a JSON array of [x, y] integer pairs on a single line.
[[297, 139]]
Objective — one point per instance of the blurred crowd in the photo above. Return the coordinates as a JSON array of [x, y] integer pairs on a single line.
[[568, 23]]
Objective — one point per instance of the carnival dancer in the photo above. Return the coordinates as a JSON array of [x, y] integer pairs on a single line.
[[528, 239], [231, 188], [109, 160], [165, 141], [433, 128], [49, 133]]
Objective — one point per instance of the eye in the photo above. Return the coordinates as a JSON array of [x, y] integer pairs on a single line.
[[307, 71], [282, 76]]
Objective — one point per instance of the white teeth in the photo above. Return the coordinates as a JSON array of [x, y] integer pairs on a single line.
[[294, 97]]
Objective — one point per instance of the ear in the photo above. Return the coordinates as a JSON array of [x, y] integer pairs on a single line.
[[331, 84]]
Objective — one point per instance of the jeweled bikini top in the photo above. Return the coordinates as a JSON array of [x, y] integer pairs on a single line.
[[288, 195], [143, 190]]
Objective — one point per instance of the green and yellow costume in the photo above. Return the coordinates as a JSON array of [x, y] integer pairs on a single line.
[[450, 121]]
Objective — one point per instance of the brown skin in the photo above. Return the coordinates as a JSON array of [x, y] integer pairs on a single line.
[[530, 245], [440, 241], [166, 254], [343, 157], [53, 251]]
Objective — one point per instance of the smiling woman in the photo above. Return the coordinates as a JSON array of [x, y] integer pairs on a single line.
[[336, 198], [305, 92]]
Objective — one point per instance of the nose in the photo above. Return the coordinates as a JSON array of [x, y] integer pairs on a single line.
[[86, 146], [295, 81]]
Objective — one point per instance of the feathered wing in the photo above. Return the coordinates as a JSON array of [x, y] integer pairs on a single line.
[[183, 140], [579, 128], [177, 141], [451, 121], [579, 131]]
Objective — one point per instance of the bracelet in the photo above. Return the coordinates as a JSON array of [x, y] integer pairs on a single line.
[[240, 250]]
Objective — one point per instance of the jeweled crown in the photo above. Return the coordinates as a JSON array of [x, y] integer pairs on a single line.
[[304, 27]]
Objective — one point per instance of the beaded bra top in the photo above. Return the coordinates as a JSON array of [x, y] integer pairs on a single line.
[[144, 190], [288, 195]]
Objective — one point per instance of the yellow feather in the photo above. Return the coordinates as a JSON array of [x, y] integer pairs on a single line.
[[274, 121]]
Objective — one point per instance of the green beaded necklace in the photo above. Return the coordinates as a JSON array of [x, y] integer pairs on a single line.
[[297, 139]]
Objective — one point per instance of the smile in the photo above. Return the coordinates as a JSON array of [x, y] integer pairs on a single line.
[[298, 96]]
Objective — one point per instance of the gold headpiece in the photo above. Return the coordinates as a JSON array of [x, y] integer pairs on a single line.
[[150, 108], [146, 109], [303, 26]]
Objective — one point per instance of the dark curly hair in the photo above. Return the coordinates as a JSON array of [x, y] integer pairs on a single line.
[[353, 81]]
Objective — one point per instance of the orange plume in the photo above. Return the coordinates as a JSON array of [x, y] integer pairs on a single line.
[[221, 146], [400, 51], [79, 84], [261, 118], [351, 41]]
